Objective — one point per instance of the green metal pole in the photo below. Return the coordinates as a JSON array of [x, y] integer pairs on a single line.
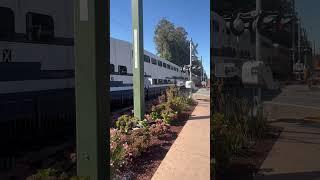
[[91, 52], [138, 55]]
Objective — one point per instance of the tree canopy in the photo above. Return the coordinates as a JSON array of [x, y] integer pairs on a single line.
[[173, 45], [171, 42]]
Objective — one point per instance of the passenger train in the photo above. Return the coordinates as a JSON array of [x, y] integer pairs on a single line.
[[37, 66], [228, 48], [159, 73]]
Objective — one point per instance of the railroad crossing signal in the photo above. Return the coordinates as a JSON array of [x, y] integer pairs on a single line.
[[138, 55], [92, 109]]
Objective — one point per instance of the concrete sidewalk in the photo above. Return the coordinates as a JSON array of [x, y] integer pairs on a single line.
[[296, 154], [189, 156]]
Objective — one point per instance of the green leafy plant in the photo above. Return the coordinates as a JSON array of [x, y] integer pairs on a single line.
[[143, 123], [166, 118], [47, 172], [125, 123], [155, 115]]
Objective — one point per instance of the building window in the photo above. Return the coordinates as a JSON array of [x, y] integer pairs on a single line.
[[164, 65], [7, 23], [40, 27], [122, 70], [146, 59], [159, 63], [111, 68], [153, 61]]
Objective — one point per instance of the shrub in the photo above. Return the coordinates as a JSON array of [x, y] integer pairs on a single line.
[[158, 108], [166, 118], [257, 126], [177, 104], [126, 146], [117, 150], [48, 174], [142, 123], [162, 99], [190, 101], [138, 141], [172, 92], [218, 136], [125, 123], [233, 131], [159, 129], [155, 115]]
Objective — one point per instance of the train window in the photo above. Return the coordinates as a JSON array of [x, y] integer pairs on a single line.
[[159, 63], [164, 65], [7, 23], [153, 61], [168, 66], [111, 68], [122, 69], [172, 68], [154, 81], [159, 81], [39, 27], [146, 59]]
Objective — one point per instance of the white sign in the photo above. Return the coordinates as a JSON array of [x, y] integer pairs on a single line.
[[135, 48], [189, 85]]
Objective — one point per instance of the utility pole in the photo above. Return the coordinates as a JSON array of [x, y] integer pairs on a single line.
[[305, 46], [138, 54], [293, 34], [190, 59], [201, 79], [299, 40], [258, 56], [258, 9], [91, 62]]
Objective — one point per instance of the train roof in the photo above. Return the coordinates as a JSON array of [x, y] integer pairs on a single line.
[[145, 52]]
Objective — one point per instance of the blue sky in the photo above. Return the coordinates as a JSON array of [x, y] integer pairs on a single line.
[[193, 15], [309, 12]]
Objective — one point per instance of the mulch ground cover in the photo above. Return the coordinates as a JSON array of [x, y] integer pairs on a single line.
[[144, 166]]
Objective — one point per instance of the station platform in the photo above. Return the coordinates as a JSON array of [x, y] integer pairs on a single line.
[[189, 156]]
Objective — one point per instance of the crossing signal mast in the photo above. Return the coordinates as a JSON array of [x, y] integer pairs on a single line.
[[193, 51], [256, 73]]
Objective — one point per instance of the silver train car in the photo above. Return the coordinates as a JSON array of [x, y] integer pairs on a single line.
[[159, 73]]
